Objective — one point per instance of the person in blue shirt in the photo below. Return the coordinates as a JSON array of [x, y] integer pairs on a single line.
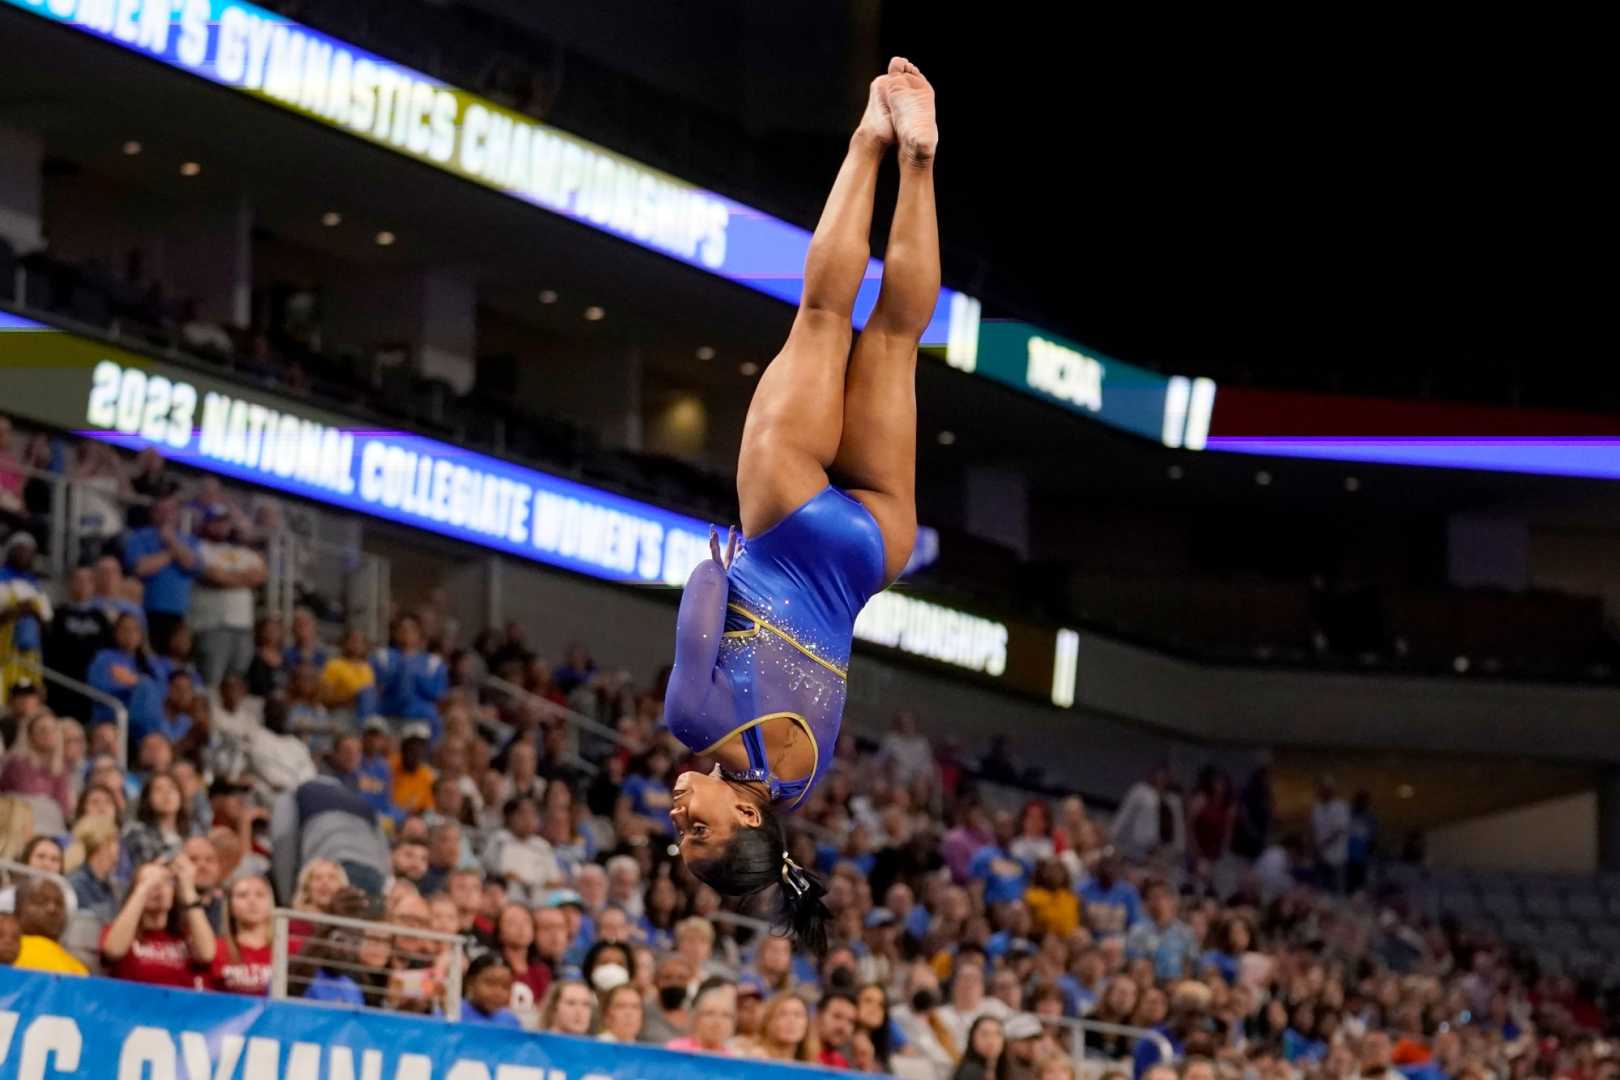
[[27, 636], [166, 560], [306, 647], [646, 795], [489, 992], [1162, 937], [1236, 937], [129, 673], [370, 777], [410, 681], [1005, 877], [1111, 906]]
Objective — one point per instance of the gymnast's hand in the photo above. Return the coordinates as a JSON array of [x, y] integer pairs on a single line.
[[731, 546]]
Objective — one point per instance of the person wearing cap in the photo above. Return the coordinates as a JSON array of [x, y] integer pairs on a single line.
[[410, 680], [222, 600], [412, 775], [1023, 1034], [24, 609], [166, 560], [880, 956]]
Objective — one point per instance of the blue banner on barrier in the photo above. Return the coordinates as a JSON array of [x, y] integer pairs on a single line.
[[60, 1026]]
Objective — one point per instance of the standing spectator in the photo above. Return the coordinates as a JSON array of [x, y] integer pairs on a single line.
[[24, 611], [489, 992], [1162, 937], [12, 475], [322, 819], [101, 491], [149, 480], [127, 671], [242, 954], [162, 821], [166, 560], [410, 681], [1150, 820], [41, 918], [278, 760], [412, 776], [519, 857], [112, 590], [1005, 877], [1054, 908], [348, 680], [267, 673], [306, 647], [622, 1014], [222, 600], [714, 1020], [1212, 813], [1363, 836], [306, 715], [576, 670], [908, 751], [1251, 834], [981, 1057], [154, 940], [835, 1027], [78, 632], [1034, 841], [34, 768], [1330, 834], [568, 1007], [92, 864]]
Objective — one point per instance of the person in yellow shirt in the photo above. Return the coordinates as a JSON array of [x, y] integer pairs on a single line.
[[1054, 907], [413, 776], [41, 917], [348, 681]]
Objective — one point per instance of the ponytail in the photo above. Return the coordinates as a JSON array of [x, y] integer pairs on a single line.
[[756, 861]]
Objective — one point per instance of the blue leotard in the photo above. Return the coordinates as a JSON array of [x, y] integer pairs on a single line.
[[771, 638]]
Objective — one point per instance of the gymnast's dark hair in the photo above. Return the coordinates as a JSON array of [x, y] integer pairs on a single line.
[[755, 861]]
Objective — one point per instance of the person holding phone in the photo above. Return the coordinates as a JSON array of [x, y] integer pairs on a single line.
[[161, 935]]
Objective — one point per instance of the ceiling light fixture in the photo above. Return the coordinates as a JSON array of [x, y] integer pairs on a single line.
[[748, 368], [705, 352], [385, 239], [594, 313], [190, 168], [548, 296], [1175, 472], [1263, 478], [947, 438], [331, 219], [1352, 484], [131, 148]]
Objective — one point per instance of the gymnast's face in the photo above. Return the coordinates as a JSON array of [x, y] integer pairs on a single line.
[[708, 812]]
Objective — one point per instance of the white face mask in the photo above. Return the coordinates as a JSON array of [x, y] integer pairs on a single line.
[[606, 976]]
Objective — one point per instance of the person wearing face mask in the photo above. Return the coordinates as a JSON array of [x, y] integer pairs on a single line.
[[921, 1021], [669, 1017], [606, 965]]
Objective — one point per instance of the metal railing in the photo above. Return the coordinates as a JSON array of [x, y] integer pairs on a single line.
[[358, 581], [100, 697], [1080, 1027], [451, 955]]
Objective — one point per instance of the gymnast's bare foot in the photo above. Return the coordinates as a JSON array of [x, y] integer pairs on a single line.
[[876, 124], [911, 106]]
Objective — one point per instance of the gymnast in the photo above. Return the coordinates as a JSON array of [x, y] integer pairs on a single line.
[[762, 640]]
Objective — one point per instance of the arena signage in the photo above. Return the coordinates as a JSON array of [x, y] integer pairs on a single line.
[[276, 60], [1174, 410], [920, 628]]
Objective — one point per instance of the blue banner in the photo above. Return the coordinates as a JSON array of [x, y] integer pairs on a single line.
[[271, 58], [61, 1026]]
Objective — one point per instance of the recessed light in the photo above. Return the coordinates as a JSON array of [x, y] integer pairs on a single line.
[[1460, 665], [190, 168], [705, 352], [1175, 472], [1351, 483], [947, 438], [331, 219], [385, 239], [548, 296], [594, 313], [1405, 791], [131, 148], [748, 368], [1263, 478]]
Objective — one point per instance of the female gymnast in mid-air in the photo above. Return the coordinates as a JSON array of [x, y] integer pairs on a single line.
[[762, 641]]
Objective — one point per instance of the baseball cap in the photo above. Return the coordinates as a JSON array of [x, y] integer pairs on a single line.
[[879, 916], [215, 511], [1022, 1026], [749, 983], [564, 898], [20, 538], [416, 731], [375, 723]]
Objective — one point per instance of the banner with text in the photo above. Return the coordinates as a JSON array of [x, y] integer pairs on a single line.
[[61, 1026], [277, 60]]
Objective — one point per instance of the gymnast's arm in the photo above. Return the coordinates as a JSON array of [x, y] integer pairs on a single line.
[[698, 630]]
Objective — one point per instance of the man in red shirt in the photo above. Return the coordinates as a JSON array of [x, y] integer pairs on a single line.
[[835, 1024]]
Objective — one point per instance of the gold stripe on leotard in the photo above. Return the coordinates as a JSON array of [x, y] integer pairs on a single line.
[[761, 624], [815, 748]]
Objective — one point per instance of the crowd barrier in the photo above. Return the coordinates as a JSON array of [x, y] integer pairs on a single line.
[[58, 1026]]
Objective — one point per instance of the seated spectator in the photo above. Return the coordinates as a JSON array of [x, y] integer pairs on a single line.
[[413, 776], [155, 939], [44, 854], [112, 596], [177, 656], [307, 718], [221, 611], [319, 881], [872, 1018], [1162, 937], [410, 680], [622, 1012], [1112, 905], [785, 1033], [489, 991], [348, 680], [92, 859], [340, 964], [645, 799], [568, 1007], [129, 672], [410, 859], [322, 819], [242, 955], [306, 647], [35, 768], [42, 916], [10, 940], [182, 717], [714, 1020], [1054, 908], [981, 1059], [162, 821], [165, 560], [278, 760], [519, 857], [835, 1027], [267, 673], [624, 885], [205, 864]]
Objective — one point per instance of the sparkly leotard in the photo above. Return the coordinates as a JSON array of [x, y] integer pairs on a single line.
[[772, 638]]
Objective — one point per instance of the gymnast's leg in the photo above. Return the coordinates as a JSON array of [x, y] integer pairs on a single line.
[[877, 455], [796, 416]]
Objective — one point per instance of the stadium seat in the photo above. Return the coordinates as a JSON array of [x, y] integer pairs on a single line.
[[1502, 903]]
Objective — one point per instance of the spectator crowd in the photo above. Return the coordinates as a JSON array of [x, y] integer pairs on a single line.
[[982, 928]]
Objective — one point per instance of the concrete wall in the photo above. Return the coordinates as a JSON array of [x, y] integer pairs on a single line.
[[1556, 836]]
